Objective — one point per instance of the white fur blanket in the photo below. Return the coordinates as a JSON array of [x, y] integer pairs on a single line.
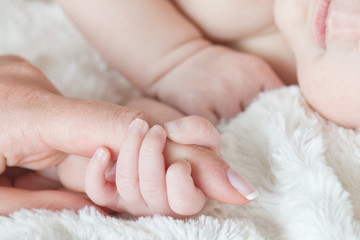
[[306, 169]]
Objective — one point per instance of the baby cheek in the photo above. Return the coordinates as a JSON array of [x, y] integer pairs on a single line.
[[334, 96]]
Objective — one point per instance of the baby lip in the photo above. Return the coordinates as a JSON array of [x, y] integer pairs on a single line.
[[319, 31]]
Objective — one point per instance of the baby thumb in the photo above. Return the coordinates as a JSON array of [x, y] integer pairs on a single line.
[[183, 131]]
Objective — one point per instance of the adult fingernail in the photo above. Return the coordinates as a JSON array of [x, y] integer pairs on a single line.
[[138, 126], [100, 154], [241, 185], [173, 126]]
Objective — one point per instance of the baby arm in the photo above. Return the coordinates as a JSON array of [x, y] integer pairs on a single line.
[[166, 56], [133, 35]]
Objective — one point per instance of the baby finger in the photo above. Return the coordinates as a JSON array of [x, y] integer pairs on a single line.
[[97, 188], [152, 170], [184, 197], [127, 176]]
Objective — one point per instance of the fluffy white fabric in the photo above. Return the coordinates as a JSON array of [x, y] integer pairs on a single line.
[[306, 169]]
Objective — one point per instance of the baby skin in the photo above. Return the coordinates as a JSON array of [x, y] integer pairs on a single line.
[[167, 57], [181, 46], [159, 169], [165, 170]]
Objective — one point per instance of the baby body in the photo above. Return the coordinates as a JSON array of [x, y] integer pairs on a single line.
[[176, 44], [314, 42]]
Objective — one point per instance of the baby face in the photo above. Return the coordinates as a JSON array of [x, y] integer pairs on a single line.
[[325, 37]]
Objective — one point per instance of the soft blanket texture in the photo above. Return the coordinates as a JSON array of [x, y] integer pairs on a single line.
[[306, 169]]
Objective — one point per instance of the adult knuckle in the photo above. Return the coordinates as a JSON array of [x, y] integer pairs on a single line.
[[30, 95], [127, 115], [119, 115]]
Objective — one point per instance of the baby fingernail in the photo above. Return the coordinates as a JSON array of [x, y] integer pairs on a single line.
[[138, 126], [173, 126], [156, 130], [100, 154], [240, 184]]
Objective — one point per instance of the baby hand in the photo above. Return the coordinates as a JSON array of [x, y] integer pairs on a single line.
[[145, 184], [140, 184], [215, 83]]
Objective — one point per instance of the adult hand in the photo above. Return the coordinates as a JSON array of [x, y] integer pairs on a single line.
[[39, 127]]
